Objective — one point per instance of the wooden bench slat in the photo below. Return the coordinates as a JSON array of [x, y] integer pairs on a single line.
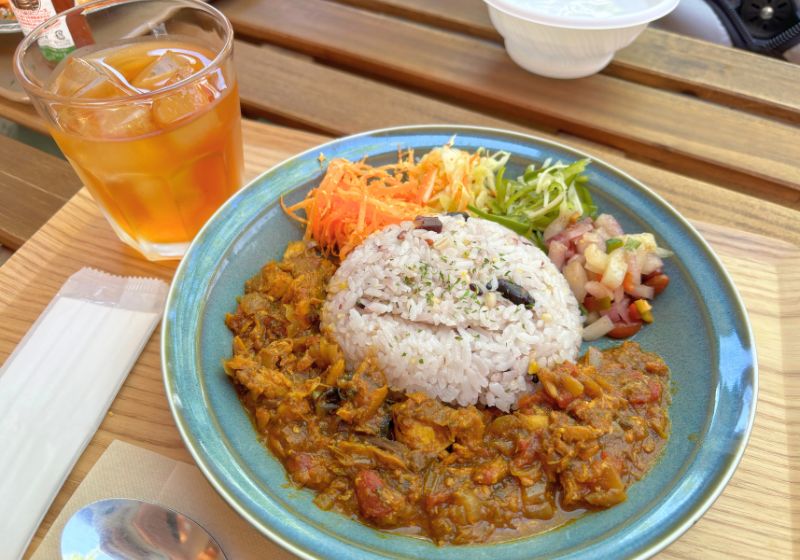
[[340, 103], [727, 76], [33, 186], [321, 98], [466, 16], [733, 77], [686, 134], [23, 114]]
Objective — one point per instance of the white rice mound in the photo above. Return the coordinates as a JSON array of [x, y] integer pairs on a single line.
[[404, 296]]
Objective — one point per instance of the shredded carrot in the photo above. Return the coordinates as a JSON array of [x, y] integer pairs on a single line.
[[354, 200]]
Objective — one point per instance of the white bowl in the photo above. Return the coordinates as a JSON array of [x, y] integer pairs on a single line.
[[571, 38]]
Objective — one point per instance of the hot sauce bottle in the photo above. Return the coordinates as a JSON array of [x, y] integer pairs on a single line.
[[64, 37]]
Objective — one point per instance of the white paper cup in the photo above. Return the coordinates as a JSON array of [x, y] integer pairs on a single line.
[[544, 38]]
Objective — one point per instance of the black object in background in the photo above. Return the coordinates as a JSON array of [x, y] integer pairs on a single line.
[[770, 27]]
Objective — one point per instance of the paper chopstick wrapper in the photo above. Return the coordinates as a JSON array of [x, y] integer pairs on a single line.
[[57, 385]]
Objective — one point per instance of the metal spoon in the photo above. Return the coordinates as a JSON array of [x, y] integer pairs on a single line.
[[122, 529]]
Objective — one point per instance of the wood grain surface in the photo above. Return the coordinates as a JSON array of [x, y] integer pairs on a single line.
[[732, 77], [325, 99], [690, 135], [756, 513], [333, 101], [21, 113], [466, 16], [33, 185]]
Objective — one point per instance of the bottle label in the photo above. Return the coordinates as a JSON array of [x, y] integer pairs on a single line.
[[57, 42]]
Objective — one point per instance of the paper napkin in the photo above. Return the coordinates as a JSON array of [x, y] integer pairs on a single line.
[[57, 385]]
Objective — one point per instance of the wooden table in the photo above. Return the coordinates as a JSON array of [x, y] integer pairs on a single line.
[[715, 131]]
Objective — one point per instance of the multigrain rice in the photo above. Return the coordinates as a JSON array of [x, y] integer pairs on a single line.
[[426, 305]]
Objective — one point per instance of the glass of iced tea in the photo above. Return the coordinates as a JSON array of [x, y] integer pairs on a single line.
[[146, 108]]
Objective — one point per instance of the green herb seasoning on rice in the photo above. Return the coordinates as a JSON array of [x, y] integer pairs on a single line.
[[445, 312]]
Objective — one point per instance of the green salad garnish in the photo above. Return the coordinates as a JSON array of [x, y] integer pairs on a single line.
[[542, 195]]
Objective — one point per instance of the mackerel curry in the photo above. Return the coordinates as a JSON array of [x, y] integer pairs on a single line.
[[410, 463]]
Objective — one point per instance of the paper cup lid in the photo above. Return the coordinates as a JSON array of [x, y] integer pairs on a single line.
[[588, 14]]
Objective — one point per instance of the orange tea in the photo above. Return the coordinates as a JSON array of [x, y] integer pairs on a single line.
[[153, 128]]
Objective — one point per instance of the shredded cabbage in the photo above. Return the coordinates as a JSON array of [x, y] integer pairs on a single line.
[[458, 178], [530, 203]]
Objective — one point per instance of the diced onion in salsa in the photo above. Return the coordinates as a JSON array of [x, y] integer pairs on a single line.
[[611, 274]]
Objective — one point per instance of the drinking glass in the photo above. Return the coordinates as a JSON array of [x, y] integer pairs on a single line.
[[146, 109]]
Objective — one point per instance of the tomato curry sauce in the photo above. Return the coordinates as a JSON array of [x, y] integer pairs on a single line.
[[410, 463]]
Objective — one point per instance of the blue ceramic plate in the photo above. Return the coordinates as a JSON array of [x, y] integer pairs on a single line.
[[701, 330]]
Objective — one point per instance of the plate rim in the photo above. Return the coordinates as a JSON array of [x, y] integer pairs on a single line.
[[698, 509]]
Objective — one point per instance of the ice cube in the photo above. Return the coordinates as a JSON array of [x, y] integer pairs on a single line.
[[178, 105], [83, 79], [196, 131], [126, 121], [108, 123], [167, 69]]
